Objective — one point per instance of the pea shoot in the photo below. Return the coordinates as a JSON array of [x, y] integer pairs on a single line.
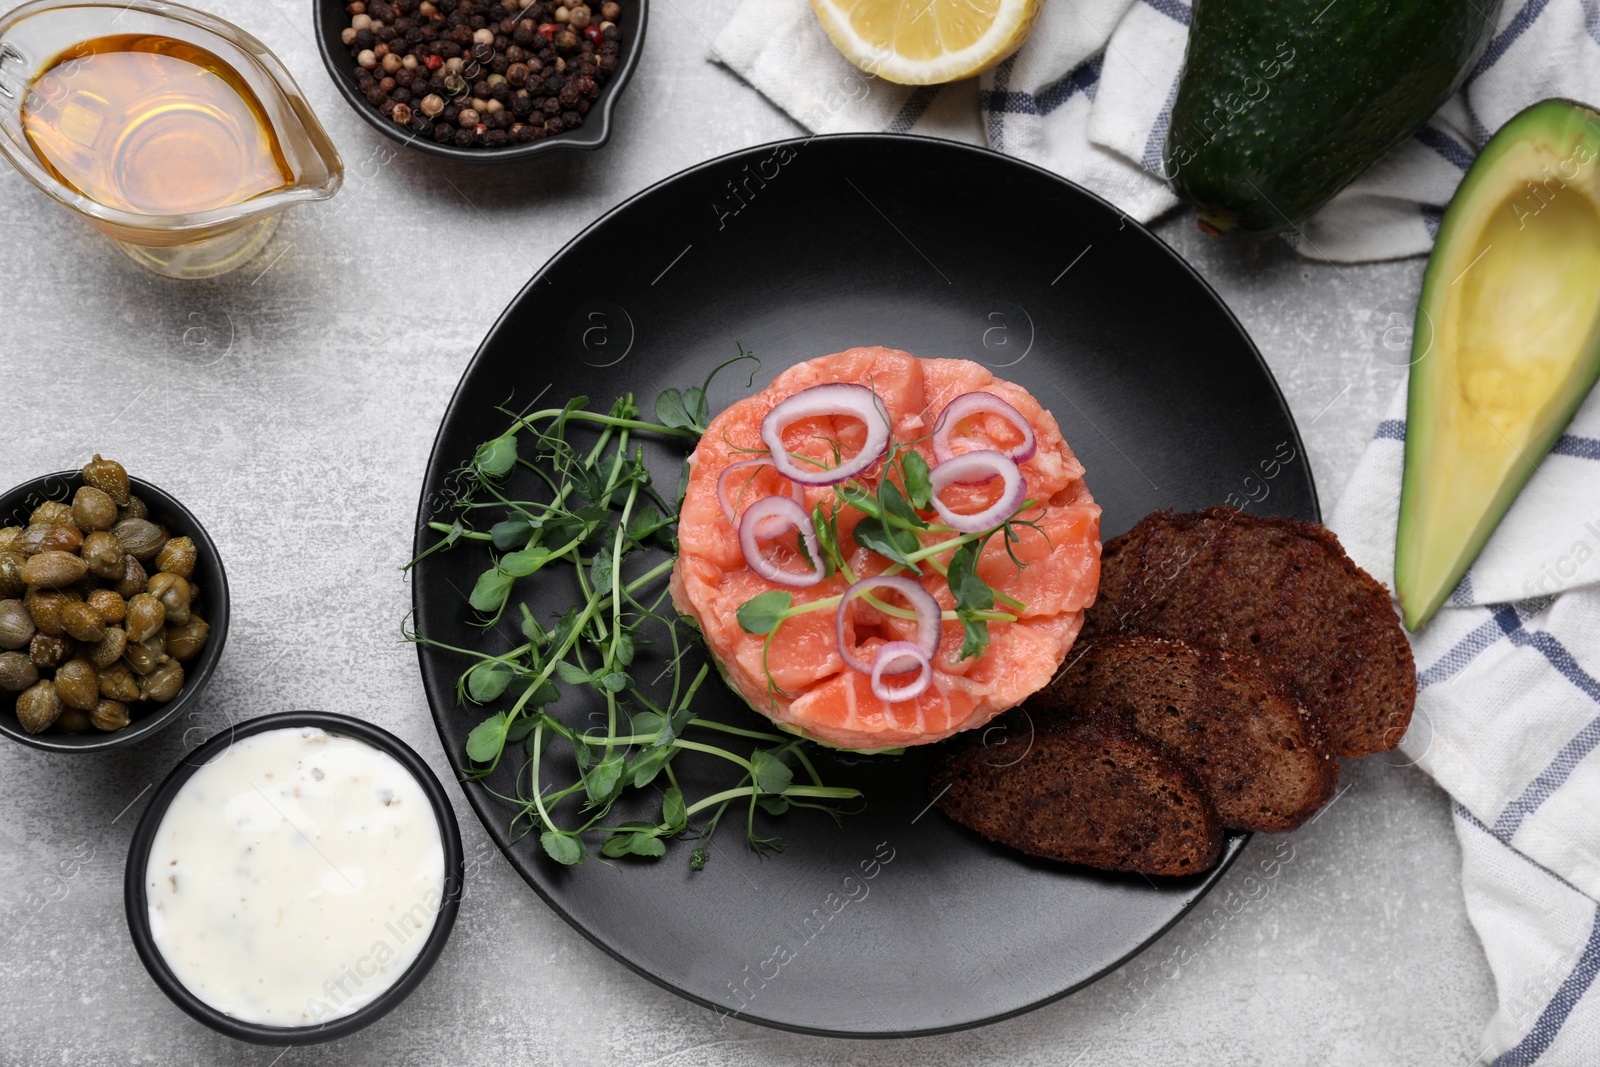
[[595, 520]]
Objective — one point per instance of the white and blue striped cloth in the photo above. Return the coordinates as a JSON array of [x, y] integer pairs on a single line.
[[1508, 722], [1090, 96]]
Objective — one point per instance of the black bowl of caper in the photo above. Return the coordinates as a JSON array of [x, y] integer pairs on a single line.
[[113, 609]]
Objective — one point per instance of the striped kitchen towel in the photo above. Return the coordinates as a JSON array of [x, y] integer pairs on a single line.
[[1508, 722], [1090, 96]]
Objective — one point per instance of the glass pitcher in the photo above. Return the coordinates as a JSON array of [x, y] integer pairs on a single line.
[[200, 244]]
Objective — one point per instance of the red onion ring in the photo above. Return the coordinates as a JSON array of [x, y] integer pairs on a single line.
[[929, 615], [837, 398], [889, 660], [980, 403], [766, 515], [775, 524], [976, 467]]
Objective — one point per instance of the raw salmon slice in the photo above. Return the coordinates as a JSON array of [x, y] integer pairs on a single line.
[[805, 685]]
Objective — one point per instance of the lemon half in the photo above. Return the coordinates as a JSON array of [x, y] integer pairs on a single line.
[[927, 42]]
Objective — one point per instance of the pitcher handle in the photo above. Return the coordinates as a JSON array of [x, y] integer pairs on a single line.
[[18, 67]]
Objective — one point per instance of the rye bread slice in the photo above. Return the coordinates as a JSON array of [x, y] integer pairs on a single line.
[[1281, 597], [1261, 757], [1088, 790]]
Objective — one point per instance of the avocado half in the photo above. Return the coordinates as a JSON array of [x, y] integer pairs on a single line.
[[1506, 345]]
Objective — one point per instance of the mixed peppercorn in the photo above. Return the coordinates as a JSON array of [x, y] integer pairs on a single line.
[[475, 73]]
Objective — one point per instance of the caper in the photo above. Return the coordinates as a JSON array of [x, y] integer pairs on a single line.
[[108, 605], [133, 509], [38, 707], [117, 683], [146, 615], [53, 569], [110, 715], [174, 594], [185, 642], [109, 648], [92, 509], [133, 578], [17, 672], [108, 476], [102, 553], [47, 651], [46, 605], [51, 513], [145, 656], [64, 537], [32, 538], [82, 623], [10, 538], [177, 556], [163, 683], [11, 583], [16, 625], [77, 684], [141, 537], [44, 537], [75, 721]]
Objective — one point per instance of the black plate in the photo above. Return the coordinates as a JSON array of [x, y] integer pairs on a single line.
[[809, 247]]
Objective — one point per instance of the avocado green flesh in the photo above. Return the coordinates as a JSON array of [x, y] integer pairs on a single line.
[[1282, 103], [1507, 343]]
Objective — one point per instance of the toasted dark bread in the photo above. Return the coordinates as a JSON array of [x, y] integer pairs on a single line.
[[1281, 597], [1262, 758], [1088, 790]]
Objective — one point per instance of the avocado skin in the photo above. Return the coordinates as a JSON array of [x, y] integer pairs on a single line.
[[1505, 177], [1282, 103]]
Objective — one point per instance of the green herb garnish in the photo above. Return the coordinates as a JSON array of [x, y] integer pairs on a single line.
[[598, 522]]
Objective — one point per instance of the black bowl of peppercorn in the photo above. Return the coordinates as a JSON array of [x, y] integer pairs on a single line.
[[483, 81]]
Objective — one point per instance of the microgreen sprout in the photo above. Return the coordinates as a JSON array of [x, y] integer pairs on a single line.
[[595, 516]]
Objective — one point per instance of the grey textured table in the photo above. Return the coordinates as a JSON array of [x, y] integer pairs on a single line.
[[292, 404]]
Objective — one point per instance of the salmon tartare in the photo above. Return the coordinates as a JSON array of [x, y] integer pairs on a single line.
[[883, 551]]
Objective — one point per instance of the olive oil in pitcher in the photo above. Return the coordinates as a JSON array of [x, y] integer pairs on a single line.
[[153, 125]]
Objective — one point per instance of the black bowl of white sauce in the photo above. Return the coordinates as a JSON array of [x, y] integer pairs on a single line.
[[295, 878]]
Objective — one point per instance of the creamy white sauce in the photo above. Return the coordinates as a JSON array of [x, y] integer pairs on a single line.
[[295, 877]]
